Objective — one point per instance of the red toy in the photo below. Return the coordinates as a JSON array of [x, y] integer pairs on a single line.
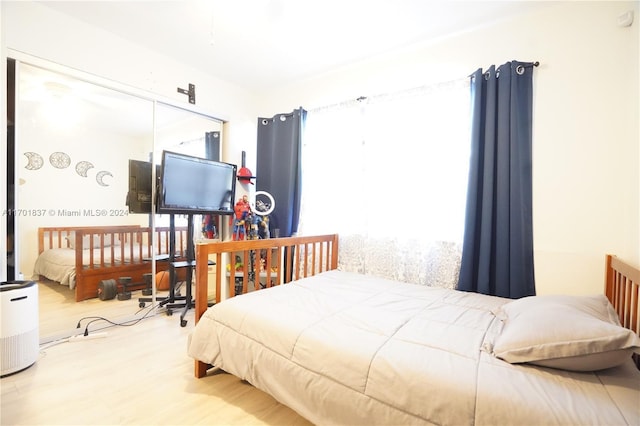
[[242, 213]]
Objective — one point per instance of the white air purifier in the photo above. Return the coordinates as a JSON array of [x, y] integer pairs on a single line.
[[19, 342]]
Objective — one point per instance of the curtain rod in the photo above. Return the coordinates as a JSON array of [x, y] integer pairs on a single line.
[[401, 92], [364, 98], [519, 68]]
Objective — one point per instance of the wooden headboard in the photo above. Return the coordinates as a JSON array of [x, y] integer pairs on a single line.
[[304, 257], [622, 282]]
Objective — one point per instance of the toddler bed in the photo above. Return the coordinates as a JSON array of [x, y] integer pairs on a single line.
[[344, 348], [81, 257]]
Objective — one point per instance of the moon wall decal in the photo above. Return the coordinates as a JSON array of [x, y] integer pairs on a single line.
[[35, 161], [100, 176], [60, 160], [82, 167]]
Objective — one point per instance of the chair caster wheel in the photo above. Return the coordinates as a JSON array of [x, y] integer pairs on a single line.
[[141, 304], [169, 312], [183, 323]]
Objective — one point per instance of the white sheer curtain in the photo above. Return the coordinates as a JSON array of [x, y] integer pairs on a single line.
[[389, 174]]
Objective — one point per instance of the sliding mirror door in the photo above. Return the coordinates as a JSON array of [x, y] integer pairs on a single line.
[[72, 145], [74, 142]]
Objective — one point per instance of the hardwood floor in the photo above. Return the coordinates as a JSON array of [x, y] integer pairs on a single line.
[[135, 375], [60, 313]]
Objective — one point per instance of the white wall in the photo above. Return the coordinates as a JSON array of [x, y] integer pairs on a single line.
[[585, 131]]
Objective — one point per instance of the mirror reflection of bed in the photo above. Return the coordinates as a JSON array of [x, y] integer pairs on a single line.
[[74, 140]]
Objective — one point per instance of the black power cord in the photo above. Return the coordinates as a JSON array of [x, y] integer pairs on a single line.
[[128, 323]]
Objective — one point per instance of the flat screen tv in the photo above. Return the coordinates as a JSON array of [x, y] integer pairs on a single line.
[[193, 185], [141, 186]]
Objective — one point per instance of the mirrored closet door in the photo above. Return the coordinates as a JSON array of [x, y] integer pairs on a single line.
[[73, 142]]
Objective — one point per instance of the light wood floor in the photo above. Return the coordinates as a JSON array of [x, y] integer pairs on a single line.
[[135, 375], [59, 312]]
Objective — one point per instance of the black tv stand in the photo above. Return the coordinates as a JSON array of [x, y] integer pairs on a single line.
[[174, 300]]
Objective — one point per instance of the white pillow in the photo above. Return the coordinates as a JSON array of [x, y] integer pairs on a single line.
[[579, 333]]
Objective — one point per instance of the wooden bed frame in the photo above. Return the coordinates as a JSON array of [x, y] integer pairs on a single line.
[[307, 256], [621, 288], [100, 267], [622, 281]]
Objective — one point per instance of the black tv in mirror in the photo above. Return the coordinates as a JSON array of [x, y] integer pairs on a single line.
[[141, 186], [194, 185]]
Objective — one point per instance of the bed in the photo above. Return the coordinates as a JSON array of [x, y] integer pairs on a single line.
[[345, 348], [81, 257]]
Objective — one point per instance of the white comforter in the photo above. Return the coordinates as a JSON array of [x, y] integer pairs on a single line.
[[343, 348]]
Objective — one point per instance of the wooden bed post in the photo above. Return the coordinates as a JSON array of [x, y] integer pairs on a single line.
[[201, 295], [609, 277], [334, 252], [202, 280]]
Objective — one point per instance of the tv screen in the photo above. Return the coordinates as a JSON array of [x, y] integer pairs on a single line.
[[141, 187], [193, 185]]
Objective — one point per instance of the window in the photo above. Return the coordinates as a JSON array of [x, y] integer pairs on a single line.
[[392, 166], [389, 174]]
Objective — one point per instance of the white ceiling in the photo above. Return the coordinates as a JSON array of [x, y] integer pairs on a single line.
[[267, 43]]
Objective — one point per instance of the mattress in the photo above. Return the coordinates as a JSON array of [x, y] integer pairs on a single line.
[[344, 348]]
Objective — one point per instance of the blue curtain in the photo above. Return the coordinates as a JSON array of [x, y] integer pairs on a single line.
[[278, 168], [497, 253]]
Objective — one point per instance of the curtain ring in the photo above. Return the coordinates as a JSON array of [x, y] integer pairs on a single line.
[[487, 75], [520, 69], [265, 121]]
